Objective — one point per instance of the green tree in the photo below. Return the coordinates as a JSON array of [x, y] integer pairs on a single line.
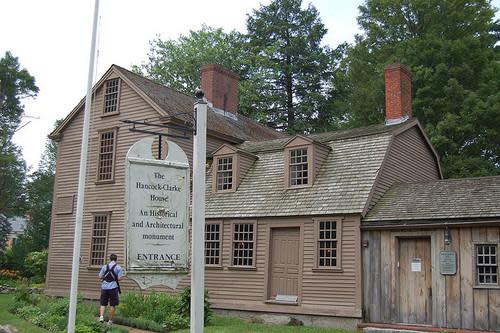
[[289, 64], [12, 179], [177, 63], [450, 47], [5, 229], [16, 84], [38, 206], [39, 196]]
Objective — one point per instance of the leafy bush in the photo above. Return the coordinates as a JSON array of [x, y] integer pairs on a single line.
[[155, 306], [59, 306], [36, 264], [175, 321], [80, 328], [23, 294], [131, 305], [158, 312], [140, 323], [184, 307]]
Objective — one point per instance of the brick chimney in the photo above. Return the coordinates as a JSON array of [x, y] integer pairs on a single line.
[[220, 86], [397, 94]]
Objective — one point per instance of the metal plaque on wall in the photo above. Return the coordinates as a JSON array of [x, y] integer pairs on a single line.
[[157, 215], [448, 262]]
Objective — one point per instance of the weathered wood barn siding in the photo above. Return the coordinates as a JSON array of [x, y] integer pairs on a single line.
[[456, 300], [409, 158]]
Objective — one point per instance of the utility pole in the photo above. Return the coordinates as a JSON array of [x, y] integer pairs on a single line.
[[81, 181], [198, 228]]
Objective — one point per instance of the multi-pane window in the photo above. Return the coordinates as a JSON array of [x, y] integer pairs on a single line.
[[328, 255], [224, 173], [298, 167], [106, 155], [212, 243], [486, 264], [111, 96], [98, 241], [243, 244]]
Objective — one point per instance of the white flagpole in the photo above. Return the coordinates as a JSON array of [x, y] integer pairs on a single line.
[[198, 229], [81, 181]]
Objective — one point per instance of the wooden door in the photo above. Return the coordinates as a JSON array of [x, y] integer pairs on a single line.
[[415, 281], [284, 270]]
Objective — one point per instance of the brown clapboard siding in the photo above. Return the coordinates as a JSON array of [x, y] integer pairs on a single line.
[[235, 283], [320, 154], [62, 226], [98, 197], [335, 288], [329, 293], [187, 144], [409, 159], [245, 162]]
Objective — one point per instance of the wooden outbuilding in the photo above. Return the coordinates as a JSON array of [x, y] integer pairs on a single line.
[[430, 255]]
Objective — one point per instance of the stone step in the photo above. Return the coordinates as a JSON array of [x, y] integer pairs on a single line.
[[388, 330]]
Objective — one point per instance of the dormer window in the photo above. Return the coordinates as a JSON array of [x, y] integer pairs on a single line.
[[111, 94], [303, 159], [229, 167], [224, 173], [299, 170]]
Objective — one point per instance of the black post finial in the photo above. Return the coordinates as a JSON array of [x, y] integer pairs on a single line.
[[199, 93]]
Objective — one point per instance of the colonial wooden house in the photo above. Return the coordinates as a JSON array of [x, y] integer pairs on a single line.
[[313, 226]]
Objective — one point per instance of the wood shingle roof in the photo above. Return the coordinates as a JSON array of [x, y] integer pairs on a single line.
[[445, 199], [342, 185], [179, 106]]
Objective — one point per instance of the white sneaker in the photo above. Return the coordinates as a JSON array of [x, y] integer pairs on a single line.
[[110, 322], [101, 319]]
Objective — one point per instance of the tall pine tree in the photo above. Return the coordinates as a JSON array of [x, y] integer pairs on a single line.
[[450, 47], [289, 65], [16, 84]]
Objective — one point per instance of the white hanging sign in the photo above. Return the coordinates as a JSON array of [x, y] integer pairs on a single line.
[[157, 215], [416, 265]]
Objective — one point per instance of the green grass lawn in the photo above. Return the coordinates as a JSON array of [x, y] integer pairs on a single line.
[[218, 324], [8, 318], [236, 325]]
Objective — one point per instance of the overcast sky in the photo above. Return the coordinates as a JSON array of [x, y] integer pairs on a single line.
[[51, 38]]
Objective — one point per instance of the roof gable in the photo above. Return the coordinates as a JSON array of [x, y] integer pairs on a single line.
[[224, 150], [178, 106]]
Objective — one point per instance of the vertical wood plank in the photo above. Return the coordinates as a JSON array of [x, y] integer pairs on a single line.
[[438, 283], [368, 276], [492, 234], [466, 278], [375, 259], [453, 298], [479, 235], [481, 321], [427, 282], [394, 249], [386, 276], [494, 309], [405, 304]]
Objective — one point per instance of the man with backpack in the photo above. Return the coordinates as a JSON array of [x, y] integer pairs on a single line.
[[110, 276]]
